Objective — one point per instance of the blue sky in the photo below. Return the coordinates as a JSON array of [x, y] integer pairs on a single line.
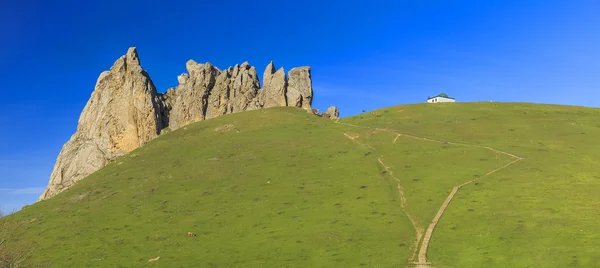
[[363, 54]]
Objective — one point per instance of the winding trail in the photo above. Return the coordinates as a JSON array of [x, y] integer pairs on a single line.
[[422, 258]]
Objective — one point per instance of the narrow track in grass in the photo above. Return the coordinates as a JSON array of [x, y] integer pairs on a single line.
[[422, 258], [404, 206], [429, 233]]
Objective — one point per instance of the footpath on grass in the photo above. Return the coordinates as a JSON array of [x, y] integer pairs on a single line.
[[422, 257], [404, 206]]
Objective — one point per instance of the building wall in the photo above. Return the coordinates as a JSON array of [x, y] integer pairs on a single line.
[[440, 99]]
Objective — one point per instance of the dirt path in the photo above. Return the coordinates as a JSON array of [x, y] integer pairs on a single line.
[[429, 232], [422, 258], [404, 206], [354, 137], [403, 203]]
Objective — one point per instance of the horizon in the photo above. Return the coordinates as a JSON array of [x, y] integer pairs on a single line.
[[362, 58]]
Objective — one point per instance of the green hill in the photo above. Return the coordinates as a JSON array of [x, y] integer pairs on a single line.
[[282, 188]]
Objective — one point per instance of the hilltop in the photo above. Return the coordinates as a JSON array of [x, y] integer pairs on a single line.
[[125, 111], [280, 186]]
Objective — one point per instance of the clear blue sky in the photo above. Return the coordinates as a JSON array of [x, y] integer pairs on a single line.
[[364, 55]]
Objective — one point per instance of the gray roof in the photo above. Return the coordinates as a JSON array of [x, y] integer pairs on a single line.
[[443, 95]]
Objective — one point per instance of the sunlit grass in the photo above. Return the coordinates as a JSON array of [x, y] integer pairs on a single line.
[[280, 187]]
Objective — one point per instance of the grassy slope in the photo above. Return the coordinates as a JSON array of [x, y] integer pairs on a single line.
[[540, 212], [428, 170], [315, 211]]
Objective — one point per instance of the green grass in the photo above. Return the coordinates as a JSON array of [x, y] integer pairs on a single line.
[[428, 170], [284, 188], [540, 212], [288, 188]]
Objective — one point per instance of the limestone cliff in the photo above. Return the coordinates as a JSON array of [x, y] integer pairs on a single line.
[[125, 111], [274, 87], [299, 91], [122, 114], [190, 97], [206, 92]]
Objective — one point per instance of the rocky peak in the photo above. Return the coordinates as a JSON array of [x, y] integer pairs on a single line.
[[269, 70], [191, 66], [190, 98], [122, 114], [132, 56], [299, 91], [127, 62], [274, 87], [125, 111]]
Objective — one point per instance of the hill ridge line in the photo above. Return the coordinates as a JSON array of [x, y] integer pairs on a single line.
[[422, 260], [125, 110]]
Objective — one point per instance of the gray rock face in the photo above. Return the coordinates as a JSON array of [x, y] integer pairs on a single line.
[[218, 100], [166, 105], [299, 91], [331, 113], [208, 92], [190, 98], [274, 87], [183, 78], [244, 89], [125, 111], [122, 114]]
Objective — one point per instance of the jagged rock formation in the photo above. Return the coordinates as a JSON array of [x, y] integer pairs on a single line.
[[189, 99], [331, 113], [299, 91], [274, 87], [166, 105], [207, 92], [125, 111], [122, 114]]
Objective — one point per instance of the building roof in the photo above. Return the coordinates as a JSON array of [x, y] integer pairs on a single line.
[[443, 95]]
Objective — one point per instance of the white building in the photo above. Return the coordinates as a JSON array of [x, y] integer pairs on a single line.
[[442, 97]]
